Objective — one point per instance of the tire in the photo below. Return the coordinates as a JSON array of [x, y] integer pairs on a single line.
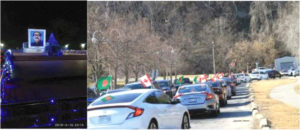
[[153, 124], [224, 102], [185, 122], [216, 112], [229, 97], [233, 94]]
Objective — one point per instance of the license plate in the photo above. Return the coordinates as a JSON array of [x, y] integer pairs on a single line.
[[192, 100], [104, 119]]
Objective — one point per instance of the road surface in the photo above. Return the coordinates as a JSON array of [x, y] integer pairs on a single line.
[[286, 94], [235, 115]]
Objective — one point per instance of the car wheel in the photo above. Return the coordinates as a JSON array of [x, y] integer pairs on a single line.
[[185, 122], [233, 93], [229, 97], [216, 112], [153, 125]]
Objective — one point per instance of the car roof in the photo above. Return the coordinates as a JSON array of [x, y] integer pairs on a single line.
[[133, 83], [134, 91], [193, 85], [162, 80]]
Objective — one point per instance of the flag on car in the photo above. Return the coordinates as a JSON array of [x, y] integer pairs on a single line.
[[103, 83], [145, 81], [180, 80], [203, 78], [195, 79], [107, 98]]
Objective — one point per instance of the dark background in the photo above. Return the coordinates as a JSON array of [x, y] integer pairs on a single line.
[[67, 20]]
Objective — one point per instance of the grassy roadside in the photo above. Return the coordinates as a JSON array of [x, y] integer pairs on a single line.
[[281, 116], [297, 89]]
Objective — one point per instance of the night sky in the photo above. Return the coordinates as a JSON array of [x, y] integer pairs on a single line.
[[67, 20]]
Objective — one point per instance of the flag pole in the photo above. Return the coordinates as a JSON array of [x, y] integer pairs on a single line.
[[110, 81]]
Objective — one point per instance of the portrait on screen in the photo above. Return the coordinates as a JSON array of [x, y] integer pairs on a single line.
[[36, 38]]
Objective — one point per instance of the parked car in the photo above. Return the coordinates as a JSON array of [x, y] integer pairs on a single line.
[[259, 75], [262, 69], [284, 72], [185, 81], [166, 86], [220, 91], [131, 86], [273, 74], [227, 87], [198, 98], [236, 79], [245, 78], [293, 72], [231, 84], [137, 109]]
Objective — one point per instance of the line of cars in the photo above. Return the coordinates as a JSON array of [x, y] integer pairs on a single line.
[[163, 105], [262, 73]]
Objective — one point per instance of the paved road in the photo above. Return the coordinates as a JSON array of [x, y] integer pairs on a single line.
[[286, 94], [236, 115]]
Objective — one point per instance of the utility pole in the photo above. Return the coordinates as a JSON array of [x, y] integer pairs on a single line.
[[247, 68], [213, 51]]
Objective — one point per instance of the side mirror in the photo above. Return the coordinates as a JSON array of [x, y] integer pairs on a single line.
[[175, 101]]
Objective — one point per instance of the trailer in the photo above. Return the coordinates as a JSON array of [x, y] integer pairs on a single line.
[[286, 64]]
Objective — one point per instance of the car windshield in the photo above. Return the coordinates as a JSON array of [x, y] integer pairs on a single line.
[[255, 72], [119, 98], [185, 80], [134, 86], [196, 88], [215, 84]]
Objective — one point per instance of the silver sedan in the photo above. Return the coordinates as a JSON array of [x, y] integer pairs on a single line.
[[198, 98]]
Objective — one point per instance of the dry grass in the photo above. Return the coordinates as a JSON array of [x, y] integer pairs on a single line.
[[297, 89], [281, 116]]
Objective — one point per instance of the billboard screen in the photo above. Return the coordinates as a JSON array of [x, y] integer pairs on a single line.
[[36, 38]]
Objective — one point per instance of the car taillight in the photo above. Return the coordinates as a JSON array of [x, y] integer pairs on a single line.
[[137, 111], [176, 96], [209, 96]]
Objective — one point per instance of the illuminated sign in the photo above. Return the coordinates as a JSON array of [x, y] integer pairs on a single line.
[[36, 38]]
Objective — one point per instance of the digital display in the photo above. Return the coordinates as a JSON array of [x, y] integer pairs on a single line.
[[36, 38]]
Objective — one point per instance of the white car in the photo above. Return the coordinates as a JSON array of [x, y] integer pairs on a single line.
[[137, 109], [293, 72], [259, 75], [262, 69], [244, 78]]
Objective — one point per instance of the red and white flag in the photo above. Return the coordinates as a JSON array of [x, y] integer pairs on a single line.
[[203, 78], [145, 81]]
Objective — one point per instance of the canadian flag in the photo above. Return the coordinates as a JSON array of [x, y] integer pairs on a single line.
[[221, 75], [203, 78], [146, 81]]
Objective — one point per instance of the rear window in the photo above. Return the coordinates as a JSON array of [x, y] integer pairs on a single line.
[[134, 86], [198, 88], [163, 84], [109, 99], [215, 84]]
